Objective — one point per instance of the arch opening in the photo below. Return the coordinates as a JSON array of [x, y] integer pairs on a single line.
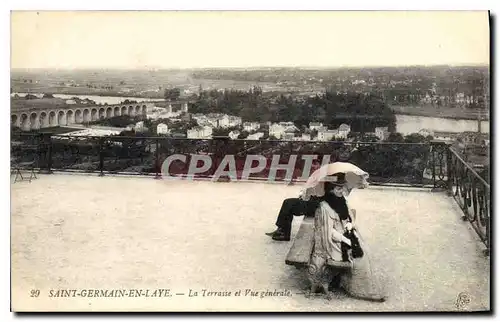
[[93, 114], [34, 124], [61, 118], [25, 123], [70, 117], [14, 120], [78, 116], [43, 120], [101, 114], [52, 119], [86, 116]]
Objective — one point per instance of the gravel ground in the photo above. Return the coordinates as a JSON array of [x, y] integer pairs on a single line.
[[86, 232]]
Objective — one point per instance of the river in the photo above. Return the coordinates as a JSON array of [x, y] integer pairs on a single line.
[[406, 124]]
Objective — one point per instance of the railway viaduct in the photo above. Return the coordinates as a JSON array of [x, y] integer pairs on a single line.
[[32, 118]]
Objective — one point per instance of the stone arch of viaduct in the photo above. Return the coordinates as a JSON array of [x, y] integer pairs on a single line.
[[37, 119]]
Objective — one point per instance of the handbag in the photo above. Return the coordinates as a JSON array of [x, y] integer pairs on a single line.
[[356, 250]]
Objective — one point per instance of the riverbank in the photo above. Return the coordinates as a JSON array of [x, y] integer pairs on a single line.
[[441, 112]]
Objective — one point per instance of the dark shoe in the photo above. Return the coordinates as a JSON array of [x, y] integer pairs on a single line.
[[271, 234], [281, 236]]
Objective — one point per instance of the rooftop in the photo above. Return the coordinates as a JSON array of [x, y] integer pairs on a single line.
[[76, 231]]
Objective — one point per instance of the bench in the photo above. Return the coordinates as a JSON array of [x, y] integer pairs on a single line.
[[302, 246], [300, 252]]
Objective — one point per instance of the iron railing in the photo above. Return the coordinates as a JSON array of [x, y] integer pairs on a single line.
[[473, 195], [434, 164], [387, 163]]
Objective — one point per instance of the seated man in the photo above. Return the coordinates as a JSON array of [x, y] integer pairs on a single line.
[[297, 207], [292, 207]]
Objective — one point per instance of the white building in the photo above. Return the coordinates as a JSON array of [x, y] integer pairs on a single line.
[[289, 135], [200, 132], [234, 134], [327, 135], [223, 121], [162, 129], [218, 120], [139, 127], [382, 132], [306, 137], [276, 130], [287, 124], [234, 121], [343, 131], [255, 136], [460, 98], [251, 126], [279, 129], [316, 126]]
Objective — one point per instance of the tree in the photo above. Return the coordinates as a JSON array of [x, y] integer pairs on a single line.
[[172, 94], [395, 137], [414, 138], [48, 95], [243, 135]]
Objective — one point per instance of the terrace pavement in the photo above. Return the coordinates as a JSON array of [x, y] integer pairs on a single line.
[[89, 232]]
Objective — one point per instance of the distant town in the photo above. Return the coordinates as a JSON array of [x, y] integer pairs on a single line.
[[352, 105]]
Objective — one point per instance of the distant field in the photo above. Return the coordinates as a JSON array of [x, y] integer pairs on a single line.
[[149, 84]]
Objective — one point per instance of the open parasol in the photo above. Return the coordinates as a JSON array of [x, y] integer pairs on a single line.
[[354, 177]]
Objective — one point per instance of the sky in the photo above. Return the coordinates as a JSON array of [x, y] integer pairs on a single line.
[[197, 39]]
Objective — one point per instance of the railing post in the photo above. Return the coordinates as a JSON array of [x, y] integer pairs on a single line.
[[439, 159], [220, 153], [449, 171], [488, 236], [101, 156], [47, 143], [157, 158], [41, 149]]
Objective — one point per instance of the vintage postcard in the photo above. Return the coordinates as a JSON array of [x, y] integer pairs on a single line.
[[251, 161]]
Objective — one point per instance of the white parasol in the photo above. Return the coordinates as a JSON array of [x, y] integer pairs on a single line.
[[354, 178]]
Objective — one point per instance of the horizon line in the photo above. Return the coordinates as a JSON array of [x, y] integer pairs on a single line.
[[254, 67]]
